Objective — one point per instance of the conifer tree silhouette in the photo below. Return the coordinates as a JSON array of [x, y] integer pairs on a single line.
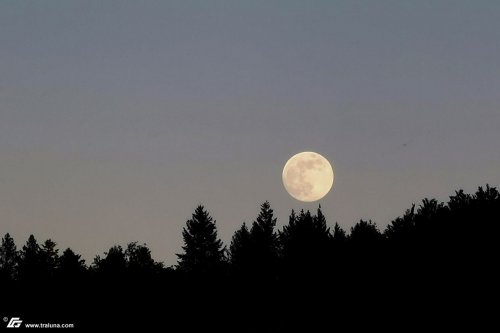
[[323, 239], [71, 265], [305, 240], [9, 258], [338, 235], [365, 247], [441, 255], [240, 250], [49, 257], [486, 206], [30, 264], [337, 255], [403, 242], [203, 250], [113, 265], [402, 229], [365, 233], [264, 242]]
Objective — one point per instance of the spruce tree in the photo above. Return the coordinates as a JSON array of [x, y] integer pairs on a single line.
[[203, 250], [113, 265], [365, 233], [305, 240], [49, 258], [320, 228], [71, 265], [9, 258], [264, 241], [339, 236], [30, 262], [365, 246], [240, 249]]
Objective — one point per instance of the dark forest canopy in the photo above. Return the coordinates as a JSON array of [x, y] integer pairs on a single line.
[[432, 246]]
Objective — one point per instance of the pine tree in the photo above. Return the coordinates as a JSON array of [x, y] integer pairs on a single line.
[[365, 233], [339, 236], [288, 237], [203, 251], [264, 241], [71, 265], [365, 245], [321, 229], [9, 258], [337, 251], [240, 249], [30, 263], [113, 265], [305, 240], [402, 229], [49, 258]]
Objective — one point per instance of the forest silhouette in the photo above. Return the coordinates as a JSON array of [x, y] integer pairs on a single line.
[[434, 265]]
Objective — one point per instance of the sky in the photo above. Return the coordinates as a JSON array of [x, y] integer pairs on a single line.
[[118, 118]]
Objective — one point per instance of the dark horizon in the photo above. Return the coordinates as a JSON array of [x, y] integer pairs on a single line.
[[433, 262], [279, 227]]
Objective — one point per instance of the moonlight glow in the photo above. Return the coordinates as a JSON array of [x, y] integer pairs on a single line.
[[308, 176]]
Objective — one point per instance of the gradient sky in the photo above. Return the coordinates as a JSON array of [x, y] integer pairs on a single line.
[[117, 118]]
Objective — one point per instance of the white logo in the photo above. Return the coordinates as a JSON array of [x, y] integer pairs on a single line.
[[14, 322]]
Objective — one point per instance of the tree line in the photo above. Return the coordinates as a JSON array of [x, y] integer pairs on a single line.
[[433, 247]]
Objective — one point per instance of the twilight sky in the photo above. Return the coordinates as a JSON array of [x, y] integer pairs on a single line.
[[117, 118]]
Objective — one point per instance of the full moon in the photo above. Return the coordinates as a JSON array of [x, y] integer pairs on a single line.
[[308, 176]]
